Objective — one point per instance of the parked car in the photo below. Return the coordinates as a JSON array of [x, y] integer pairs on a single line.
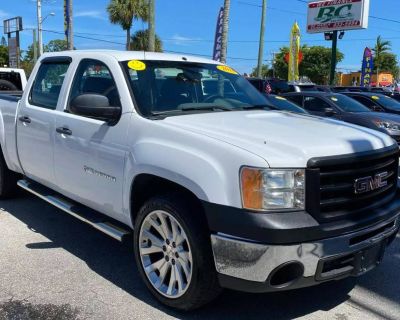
[[340, 89], [281, 103], [216, 190], [341, 107], [302, 86], [375, 101], [270, 85]]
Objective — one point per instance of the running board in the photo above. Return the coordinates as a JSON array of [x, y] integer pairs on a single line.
[[97, 220]]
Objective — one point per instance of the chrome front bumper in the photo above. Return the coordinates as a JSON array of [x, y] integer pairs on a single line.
[[246, 260]]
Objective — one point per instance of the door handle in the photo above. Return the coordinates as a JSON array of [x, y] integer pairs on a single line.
[[63, 130], [24, 119]]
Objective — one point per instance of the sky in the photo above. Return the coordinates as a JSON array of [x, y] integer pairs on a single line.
[[189, 26]]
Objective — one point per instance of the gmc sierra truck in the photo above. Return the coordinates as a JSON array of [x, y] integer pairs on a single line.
[[183, 156]]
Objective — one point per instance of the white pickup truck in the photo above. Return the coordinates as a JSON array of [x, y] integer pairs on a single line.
[[217, 190]]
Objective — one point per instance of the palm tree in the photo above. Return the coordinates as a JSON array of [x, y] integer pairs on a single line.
[[225, 29], [140, 41], [124, 12], [381, 47]]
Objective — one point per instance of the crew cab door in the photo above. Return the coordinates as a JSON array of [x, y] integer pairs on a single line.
[[318, 107], [89, 152], [36, 120]]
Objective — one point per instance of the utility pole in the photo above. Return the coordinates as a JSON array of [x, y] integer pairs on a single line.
[[225, 30], [152, 31], [39, 18], [71, 29], [35, 52], [261, 44], [334, 57]]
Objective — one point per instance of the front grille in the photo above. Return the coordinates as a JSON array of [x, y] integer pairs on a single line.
[[331, 192]]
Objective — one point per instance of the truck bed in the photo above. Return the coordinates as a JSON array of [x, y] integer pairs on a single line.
[[11, 95]]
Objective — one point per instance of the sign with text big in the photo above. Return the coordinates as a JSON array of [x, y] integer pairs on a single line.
[[325, 16]]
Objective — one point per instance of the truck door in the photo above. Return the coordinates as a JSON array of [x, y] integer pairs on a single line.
[[89, 152], [36, 121]]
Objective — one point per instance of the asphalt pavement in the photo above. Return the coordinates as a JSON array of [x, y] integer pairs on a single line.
[[55, 267]]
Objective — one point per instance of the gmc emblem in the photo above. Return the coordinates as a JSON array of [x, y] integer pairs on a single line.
[[367, 184]]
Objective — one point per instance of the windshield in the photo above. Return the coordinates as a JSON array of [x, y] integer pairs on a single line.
[[348, 104], [171, 87], [282, 103], [386, 102]]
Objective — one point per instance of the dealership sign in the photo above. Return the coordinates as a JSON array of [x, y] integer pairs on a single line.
[[325, 16]]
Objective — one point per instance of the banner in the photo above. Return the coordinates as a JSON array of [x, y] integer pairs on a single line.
[[218, 36], [66, 20], [294, 53], [367, 67]]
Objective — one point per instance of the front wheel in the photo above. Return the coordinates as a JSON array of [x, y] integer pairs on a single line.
[[173, 253]]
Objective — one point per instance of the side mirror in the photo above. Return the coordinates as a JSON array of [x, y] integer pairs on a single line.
[[330, 112], [95, 106]]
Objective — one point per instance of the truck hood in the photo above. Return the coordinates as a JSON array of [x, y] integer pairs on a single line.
[[283, 139]]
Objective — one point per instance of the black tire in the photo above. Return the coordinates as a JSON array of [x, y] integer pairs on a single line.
[[8, 180], [6, 85], [204, 286]]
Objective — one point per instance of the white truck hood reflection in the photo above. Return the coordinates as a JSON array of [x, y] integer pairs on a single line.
[[283, 139]]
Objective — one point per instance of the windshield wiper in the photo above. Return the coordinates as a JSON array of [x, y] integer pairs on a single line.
[[258, 107], [206, 107], [191, 108]]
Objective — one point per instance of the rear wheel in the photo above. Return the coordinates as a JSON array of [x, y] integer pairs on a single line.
[[173, 253], [8, 180]]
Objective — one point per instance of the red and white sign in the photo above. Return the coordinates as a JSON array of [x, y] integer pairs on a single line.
[[325, 16]]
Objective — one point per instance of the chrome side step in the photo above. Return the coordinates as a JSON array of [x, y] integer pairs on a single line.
[[97, 220]]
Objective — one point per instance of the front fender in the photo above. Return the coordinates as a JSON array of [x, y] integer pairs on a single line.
[[207, 167]]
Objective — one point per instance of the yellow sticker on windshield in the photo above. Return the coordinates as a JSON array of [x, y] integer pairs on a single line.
[[137, 65], [375, 97], [227, 69], [334, 99], [280, 98]]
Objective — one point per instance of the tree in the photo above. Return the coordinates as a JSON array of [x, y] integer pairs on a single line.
[[315, 64], [3, 41], [3, 55], [265, 71], [225, 30], [124, 12], [388, 63], [140, 42], [381, 47], [56, 45]]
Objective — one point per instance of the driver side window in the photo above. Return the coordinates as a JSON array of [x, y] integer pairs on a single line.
[[93, 76]]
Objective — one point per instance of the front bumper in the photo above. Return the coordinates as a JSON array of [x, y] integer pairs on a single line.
[[256, 267]]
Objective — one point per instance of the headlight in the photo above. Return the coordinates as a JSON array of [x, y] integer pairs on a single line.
[[387, 125], [272, 189]]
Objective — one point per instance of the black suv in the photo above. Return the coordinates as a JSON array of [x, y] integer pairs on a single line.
[[376, 101], [341, 107]]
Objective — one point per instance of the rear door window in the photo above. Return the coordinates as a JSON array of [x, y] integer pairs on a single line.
[[47, 85]]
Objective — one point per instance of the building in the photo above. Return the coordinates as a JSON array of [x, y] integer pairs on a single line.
[[354, 78]]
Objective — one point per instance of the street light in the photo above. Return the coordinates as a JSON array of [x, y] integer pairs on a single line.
[[40, 22], [52, 14]]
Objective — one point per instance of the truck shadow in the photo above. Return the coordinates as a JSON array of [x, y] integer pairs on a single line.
[[114, 262]]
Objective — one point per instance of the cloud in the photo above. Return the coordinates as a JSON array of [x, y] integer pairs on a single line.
[[181, 40], [94, 14], [4, 15]]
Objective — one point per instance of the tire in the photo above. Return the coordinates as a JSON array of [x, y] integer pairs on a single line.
[[201, 285], [8, 180], [6, 85]]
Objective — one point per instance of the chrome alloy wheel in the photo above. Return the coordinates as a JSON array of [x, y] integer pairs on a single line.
[[165, 254]]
